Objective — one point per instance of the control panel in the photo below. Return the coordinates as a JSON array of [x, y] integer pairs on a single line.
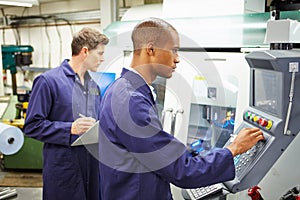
[[273, 108], [272, 92]]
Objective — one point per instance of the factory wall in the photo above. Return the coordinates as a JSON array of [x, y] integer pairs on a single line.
[[49, 48]]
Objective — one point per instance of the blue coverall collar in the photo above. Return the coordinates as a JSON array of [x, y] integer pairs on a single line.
[[137, 81], [67, 68], [70, 72]]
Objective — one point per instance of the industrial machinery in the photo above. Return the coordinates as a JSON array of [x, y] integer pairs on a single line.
[[30, 155], [274, 77], [15, 56], [274, 74]]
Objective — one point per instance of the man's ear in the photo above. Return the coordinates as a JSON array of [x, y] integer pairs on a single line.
[[85, 51], [150, 49]]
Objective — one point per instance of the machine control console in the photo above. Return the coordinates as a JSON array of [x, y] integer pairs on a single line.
[[273, 79]]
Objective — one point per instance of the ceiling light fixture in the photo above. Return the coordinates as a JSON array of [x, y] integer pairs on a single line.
[[22, 3]]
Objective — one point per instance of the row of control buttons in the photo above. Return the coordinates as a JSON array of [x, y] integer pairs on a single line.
[[263, 122]]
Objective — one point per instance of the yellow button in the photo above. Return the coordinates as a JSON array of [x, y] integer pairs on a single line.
[[269, 125], [255, 118]]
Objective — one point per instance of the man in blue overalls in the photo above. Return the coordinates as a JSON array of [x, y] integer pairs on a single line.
[[64, 103], [138, 159]]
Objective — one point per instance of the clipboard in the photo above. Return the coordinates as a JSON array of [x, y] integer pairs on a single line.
[[89, 137]]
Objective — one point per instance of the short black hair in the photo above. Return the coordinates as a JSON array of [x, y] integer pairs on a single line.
[[153, 30]]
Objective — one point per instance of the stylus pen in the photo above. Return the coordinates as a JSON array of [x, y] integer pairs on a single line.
[[81, 115]]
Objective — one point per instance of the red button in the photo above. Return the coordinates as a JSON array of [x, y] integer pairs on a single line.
[[263, 122]]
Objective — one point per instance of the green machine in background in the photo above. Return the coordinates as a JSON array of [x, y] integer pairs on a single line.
[[30, 155], [14, 56]]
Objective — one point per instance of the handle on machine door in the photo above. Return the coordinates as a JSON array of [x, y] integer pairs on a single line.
[[173, 120], [164, 115]]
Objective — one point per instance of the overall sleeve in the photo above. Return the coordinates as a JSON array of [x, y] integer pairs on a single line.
[[161, 153], [37, 123]]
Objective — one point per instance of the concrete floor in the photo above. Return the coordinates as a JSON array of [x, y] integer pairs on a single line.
[[27, 193]]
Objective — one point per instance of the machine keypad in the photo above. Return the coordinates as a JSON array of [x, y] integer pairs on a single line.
[[242, 160]]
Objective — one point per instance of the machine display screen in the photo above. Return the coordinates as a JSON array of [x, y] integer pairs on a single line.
[[267, 91]]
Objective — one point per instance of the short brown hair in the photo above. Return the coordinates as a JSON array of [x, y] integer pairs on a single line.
[[88, 37]]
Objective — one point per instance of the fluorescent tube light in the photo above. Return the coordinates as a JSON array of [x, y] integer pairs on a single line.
[[22, 3]]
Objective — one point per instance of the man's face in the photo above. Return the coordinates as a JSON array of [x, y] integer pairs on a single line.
[[167, 57], [95, 58]]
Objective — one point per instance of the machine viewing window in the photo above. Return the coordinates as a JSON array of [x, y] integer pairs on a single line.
[[267, 91]]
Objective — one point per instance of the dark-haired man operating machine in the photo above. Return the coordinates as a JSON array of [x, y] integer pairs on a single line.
[[138, 160]]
